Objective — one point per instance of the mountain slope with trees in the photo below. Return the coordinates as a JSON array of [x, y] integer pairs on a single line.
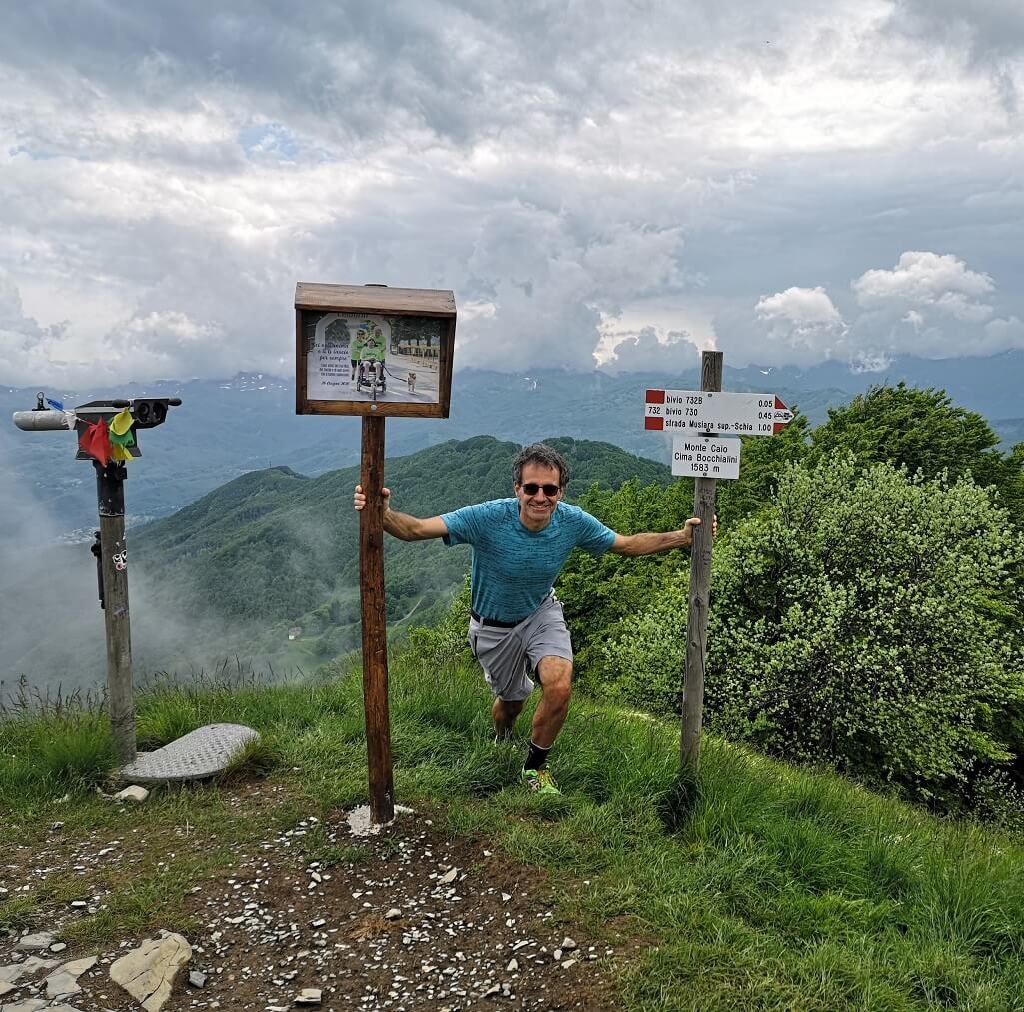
[[274, 549]]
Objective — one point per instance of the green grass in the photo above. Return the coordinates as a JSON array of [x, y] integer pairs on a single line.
[[775, 888]]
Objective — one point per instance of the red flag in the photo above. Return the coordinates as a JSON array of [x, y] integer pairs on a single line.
[[95, 441]]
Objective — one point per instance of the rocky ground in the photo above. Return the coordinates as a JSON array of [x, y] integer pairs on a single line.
[[404, 919]]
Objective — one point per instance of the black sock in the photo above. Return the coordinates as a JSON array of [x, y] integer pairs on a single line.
[[536, 757]]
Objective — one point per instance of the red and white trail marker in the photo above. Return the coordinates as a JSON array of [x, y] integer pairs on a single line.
[[725, 414]]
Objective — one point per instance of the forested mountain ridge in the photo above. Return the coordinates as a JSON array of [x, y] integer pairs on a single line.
[[274, 547], [249, 422]]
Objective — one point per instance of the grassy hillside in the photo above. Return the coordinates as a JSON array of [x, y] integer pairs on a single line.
[[274, 548], [782, 890]]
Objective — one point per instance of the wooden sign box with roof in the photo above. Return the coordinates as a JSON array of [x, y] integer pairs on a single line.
[[373, 350]]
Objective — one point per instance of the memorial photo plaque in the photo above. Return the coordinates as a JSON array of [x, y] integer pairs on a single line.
[[368, 349]]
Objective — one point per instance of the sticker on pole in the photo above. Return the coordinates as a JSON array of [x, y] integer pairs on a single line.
[[706, 456], [728, 414]]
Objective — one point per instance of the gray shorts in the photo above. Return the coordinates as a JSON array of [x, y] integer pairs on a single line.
[[508, 655]]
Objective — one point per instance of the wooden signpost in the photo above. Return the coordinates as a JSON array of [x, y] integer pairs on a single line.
[[374, 351], [708, 450]]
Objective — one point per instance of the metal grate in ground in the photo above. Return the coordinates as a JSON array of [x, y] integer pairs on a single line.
[[198, 754]]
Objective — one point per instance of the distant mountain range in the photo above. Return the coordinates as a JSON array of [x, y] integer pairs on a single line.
[[226, 428]]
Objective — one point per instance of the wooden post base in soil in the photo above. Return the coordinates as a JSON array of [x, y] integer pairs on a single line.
[[700, 591], [114, 567], [375, 642]]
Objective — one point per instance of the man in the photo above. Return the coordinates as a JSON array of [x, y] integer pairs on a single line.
[[519, 548], [356, 351]]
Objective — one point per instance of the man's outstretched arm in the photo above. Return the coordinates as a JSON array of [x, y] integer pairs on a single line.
[[652, 544], [402, 525]]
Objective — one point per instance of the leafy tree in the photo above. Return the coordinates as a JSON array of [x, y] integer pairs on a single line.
[[851, 625], [1013, 484], [926, 432], [761, 462]]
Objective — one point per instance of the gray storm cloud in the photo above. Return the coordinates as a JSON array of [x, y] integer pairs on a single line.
[[168, 172], [645, 351], [988, 35]]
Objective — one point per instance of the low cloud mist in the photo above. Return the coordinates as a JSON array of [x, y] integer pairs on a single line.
[[51, 630], [52, 637]]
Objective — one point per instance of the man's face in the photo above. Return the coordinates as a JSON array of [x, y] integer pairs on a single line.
[[536, 509]]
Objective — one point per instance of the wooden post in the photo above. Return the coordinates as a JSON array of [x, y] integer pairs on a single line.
[[323, 386], [375, 642], [700, 587], [114, 567]]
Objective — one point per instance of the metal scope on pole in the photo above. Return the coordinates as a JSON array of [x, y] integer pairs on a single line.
[[108, 436]]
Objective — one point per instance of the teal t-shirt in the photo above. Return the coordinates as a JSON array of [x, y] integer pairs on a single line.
[[515, 568]]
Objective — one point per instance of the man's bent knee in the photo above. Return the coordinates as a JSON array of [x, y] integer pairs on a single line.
[[555, 675], [554, 667]]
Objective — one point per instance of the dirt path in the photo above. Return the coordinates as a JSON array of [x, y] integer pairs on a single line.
[[406, 919]]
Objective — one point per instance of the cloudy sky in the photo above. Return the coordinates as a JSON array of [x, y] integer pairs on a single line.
[[612, 183]]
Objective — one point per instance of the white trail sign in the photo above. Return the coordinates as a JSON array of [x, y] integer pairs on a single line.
[[694, 411]]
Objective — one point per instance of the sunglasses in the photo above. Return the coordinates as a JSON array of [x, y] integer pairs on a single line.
[[530, 488]]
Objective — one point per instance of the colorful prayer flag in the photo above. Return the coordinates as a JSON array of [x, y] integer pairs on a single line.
[[95, 441], [121, 435], [121, 422], [128, 439]]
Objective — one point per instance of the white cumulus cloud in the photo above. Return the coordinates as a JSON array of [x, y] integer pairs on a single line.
[[921, 280], [930, 305], [803, 318]]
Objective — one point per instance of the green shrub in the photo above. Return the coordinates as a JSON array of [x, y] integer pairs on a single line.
[[640, 662], [850, 625]]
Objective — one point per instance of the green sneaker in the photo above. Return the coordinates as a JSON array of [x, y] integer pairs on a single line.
[[540, 782]]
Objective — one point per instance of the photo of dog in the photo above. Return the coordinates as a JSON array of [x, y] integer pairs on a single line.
[[411, 382]]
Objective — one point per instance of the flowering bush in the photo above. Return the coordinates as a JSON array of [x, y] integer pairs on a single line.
[[851, 624]]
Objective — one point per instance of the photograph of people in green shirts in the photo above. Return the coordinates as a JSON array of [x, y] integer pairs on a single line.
[[374, 347], [358, 344]]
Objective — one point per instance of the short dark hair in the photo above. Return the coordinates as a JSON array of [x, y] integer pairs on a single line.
[[540, 453]]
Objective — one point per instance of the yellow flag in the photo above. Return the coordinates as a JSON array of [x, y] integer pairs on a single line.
[[119, 452], [121, 422]]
